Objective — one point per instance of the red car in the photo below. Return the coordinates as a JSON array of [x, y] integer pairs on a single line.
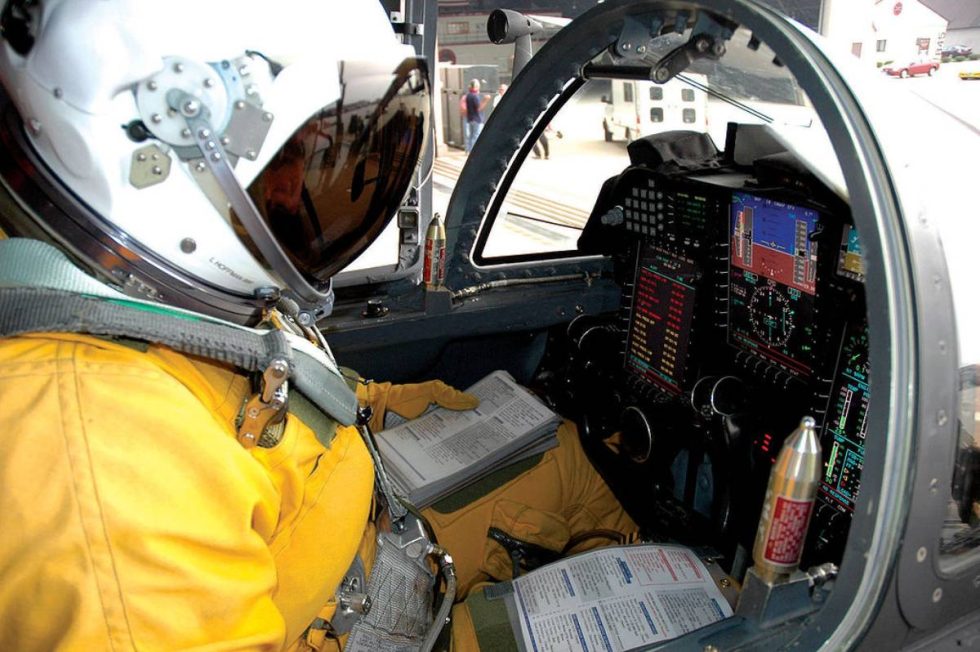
[[912, 68]]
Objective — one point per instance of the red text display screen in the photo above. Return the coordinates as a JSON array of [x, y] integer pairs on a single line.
[[660, 318]]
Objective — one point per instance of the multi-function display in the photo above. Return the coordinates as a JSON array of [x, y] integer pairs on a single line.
[[847, 422], [772, 281], [661, 315], [850, 264]]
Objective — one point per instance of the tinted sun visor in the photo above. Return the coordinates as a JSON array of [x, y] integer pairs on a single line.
[[340, 177]]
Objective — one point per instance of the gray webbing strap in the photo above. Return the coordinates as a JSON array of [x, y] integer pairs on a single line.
[[39, 310]]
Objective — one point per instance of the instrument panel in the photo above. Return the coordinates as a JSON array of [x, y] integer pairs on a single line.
[[742, 311], [773, 281], [657, 340]]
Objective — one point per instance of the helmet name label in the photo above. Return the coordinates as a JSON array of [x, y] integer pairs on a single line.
[[229, 271]]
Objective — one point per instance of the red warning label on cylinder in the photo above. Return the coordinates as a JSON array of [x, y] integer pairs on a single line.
[[789, 521], [434, 262]]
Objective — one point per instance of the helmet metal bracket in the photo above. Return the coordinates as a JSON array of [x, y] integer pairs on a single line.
[[216, 158]]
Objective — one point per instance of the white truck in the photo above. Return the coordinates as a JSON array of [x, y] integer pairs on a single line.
[[639, 108]]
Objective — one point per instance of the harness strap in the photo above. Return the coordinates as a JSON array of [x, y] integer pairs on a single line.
[[40, 310], [34, 310]]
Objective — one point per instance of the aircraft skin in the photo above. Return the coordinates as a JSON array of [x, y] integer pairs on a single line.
[[895, 587]]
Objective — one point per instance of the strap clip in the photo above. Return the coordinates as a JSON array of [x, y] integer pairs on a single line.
[[268, 406]]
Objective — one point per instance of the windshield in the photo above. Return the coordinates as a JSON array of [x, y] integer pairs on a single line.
[[549, 194], [463, 53]]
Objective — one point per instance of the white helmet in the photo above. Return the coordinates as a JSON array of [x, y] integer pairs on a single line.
[[212, 155]]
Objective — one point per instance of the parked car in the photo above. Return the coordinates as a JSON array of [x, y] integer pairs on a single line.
[[970, 74], [957, 51], [919, 67]]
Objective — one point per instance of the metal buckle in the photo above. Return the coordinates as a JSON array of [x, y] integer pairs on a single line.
[[268, 406]]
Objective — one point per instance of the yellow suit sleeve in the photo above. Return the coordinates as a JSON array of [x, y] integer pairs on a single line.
[[131, 516]]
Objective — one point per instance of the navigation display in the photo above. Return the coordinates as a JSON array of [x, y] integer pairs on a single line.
[[850, 264], [660, 318], [772, 281], [847, 422]]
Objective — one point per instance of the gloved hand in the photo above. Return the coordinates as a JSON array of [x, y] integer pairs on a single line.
[[410, 400]]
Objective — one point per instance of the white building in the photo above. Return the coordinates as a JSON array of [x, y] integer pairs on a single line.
[[878, 31]]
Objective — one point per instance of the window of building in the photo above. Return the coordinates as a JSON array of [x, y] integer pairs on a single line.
[[881, 45], [656, 93], [687, 95], [457, 27], [690, 116], [627, 92], [656, 114]]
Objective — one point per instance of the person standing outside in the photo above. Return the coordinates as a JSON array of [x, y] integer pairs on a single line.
[[474, 104], [500, 95]]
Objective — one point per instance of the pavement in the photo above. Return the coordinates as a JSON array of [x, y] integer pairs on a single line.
[[957, 97]]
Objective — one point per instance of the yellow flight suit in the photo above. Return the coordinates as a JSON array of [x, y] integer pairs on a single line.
[[130, 516]]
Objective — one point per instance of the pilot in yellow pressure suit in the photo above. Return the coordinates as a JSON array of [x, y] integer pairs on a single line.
[[168, 478]]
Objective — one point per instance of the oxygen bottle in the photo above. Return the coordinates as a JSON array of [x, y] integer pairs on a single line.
[[788, 505], [434, 262]]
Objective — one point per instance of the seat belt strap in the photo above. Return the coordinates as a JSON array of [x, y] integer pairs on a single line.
[[43, 310]]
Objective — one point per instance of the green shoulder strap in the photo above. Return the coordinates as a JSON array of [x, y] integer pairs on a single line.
[[41, 291]]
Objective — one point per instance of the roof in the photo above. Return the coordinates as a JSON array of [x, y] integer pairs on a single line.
[[960, 14]]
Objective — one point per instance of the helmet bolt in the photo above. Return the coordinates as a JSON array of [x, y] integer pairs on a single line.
[[203, 133], [141, 157], [185, 132], [225, 140], [250, 90], [304, 318], [34, 125], [240, 104], [267, 116], [188, 245], [178, 67], [152, 85], [191, 107], [216, 156], [209, 144], [201, 166], [208, 83], [243, 71], [157, 170], [250, 154], [156, 118]]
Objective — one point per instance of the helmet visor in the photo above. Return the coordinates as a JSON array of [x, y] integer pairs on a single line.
[[341, 176]]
